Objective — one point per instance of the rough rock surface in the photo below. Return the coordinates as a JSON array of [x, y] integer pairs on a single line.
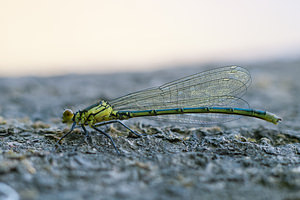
[[243, 159]]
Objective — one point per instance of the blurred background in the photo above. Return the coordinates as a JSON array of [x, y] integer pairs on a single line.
[[54, 37]]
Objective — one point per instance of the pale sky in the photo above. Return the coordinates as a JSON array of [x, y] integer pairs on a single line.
[[46, 37]]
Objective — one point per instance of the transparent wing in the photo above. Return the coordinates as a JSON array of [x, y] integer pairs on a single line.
[[218, 87]]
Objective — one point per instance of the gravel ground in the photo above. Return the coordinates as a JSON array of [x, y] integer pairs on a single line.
[[244, 159]]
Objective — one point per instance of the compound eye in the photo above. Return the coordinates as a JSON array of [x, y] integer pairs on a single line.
[[67, 116]]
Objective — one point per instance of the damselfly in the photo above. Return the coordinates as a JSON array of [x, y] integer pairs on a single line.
[[212, 96]]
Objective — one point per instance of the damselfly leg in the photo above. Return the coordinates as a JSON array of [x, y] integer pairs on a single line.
[[118, 121]]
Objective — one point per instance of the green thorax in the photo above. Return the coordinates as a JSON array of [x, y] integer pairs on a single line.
[[96, 113]]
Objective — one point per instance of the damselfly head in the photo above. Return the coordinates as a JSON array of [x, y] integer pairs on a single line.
[[67, 116]]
